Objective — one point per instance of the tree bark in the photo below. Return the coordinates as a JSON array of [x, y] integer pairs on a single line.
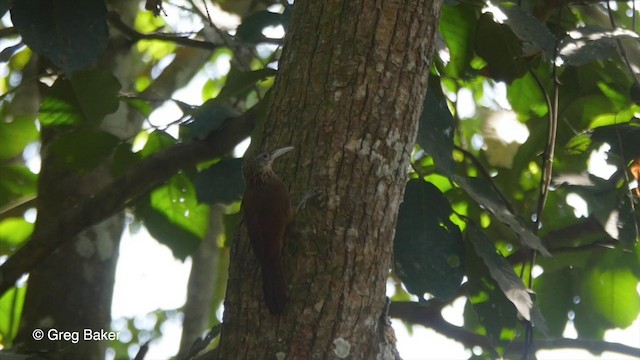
[[352, 81]]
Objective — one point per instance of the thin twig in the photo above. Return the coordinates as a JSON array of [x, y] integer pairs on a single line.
[[116, 21]]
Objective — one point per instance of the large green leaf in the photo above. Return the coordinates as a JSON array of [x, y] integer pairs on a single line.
[[13, 233], [59, 106], [495, 313], [510, 284], [174, 217], [501, 49], [96, 91], [157, 140], [83, 150], [10, 312], [85, 99], [428, 249], [71, 33], [555, 293], [17, 181], [15, 134], [482, 192], [457, 26]]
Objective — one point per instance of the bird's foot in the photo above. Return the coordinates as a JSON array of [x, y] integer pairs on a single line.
[[307, 196]]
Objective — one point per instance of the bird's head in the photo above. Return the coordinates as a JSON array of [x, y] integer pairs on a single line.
[[259, 166]]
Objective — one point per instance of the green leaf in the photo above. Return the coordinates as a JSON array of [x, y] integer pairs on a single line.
[[501, 49], [123, 159], [610, 292], [529, 28], [251, 28], [96, 92], [231, 223], [435, 135], [143, 106], [221, 182], [525, 96], [555, 293], [83, 150], [59, 106], [174, 217], [209, 118], [15, 134], [482, 192], [510, 284], [13, 233], [240, 82], [428, 248], [17, 181], [457, 26], [4, 7], [71, 33], [157, 140], [10, 312], [87, 98], [494, 311], [591, 43]]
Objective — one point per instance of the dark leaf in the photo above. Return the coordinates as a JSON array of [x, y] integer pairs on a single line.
[[482, 192], [220, 183], [208, 118], [96, 92], [435, 135], [251, 28], [71, 33], [240, 82], [428, 249], [501, 49], [591, 43], [83, 150], [495, 313], [528, 28], [500, 270]]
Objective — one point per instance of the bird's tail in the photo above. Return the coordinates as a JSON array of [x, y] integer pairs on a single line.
[[274, 286]]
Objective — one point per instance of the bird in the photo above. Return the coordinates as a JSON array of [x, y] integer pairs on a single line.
[[266, 208]]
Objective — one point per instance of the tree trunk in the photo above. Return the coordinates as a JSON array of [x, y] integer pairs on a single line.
[[353, 77]]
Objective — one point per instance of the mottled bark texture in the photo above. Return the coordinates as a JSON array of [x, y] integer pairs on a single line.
[[352, 81]]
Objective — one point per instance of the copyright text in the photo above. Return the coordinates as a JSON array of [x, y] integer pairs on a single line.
[[75, 336]]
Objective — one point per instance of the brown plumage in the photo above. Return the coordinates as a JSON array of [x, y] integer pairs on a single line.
[[267, 211]]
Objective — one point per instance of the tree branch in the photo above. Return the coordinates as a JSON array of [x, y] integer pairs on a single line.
[[124, 190], [116, 22], [429, 315]]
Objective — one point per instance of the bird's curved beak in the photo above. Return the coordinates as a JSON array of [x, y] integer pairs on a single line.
[[279, 152]]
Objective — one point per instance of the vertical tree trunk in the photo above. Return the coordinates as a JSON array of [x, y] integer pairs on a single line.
[[352, 80]]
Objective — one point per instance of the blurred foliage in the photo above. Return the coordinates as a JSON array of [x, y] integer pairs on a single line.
[[463, 219]]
